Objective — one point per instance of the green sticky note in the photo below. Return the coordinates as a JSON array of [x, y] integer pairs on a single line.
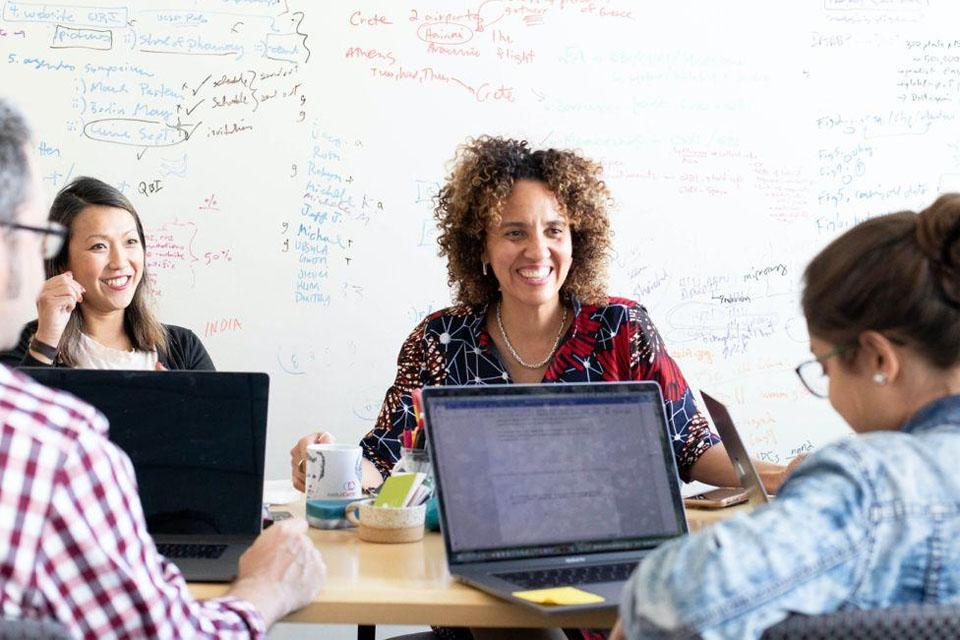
[[395, 489]]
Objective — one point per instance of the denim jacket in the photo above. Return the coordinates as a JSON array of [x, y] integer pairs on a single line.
[[871, 521]]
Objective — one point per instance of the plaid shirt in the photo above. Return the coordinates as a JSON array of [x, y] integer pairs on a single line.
[[73, 542]]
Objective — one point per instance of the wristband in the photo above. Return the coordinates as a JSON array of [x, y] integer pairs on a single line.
[[43, 349]]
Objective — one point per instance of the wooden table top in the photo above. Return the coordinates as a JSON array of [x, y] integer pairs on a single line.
[[408, 584]]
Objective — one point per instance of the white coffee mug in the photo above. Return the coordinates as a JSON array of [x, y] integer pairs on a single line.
[[333, 471]]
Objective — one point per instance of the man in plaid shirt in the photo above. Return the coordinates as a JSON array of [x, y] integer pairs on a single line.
[[74, 546]]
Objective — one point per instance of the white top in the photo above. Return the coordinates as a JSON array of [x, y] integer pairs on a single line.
[[93, 355]]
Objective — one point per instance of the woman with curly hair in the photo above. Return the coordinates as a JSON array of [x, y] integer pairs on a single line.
[[526, 236]]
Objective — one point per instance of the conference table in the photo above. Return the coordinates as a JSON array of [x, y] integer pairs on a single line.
[[408, 584]]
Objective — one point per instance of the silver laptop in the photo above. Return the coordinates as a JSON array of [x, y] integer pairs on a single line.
[[552, 485], [196, 440], [749, 478]]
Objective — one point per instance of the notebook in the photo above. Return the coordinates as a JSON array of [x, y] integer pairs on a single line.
[[544, 488], [196, 440], [746, 472]]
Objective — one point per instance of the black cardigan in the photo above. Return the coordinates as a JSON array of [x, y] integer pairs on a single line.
[[184, 351]]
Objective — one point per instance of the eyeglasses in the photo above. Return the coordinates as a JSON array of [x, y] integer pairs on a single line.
[[54, 235], [813, 374]]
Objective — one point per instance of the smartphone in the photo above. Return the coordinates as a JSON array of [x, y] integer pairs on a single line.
[[717, 498], [276, 516]]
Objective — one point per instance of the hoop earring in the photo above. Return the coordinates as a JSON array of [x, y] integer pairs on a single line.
[[879, 379], [484, 268]]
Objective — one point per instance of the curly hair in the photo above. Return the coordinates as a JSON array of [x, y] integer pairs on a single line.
[[484, 172]]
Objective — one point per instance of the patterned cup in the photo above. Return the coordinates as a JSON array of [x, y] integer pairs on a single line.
[[333, 472]]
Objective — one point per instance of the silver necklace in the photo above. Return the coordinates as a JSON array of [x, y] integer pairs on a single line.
[[513, 352]]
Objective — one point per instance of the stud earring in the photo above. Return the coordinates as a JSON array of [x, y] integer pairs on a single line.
[[484, 268], [879, 378]]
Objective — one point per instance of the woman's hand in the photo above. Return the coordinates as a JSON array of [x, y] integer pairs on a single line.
[[714, 467], [298, 457], [773, 476], [58, 298]]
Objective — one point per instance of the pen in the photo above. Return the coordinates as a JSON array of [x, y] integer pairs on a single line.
[[418, 433], [421, 439], [413, 437]]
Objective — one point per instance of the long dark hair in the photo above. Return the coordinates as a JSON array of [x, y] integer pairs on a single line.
[[898, 274], [139, 322]]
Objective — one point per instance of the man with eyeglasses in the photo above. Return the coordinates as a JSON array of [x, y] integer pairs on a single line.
[[52, 236], [74, 547]]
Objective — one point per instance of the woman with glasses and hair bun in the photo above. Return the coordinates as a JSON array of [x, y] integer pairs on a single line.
[[873, 520], [93, 311]]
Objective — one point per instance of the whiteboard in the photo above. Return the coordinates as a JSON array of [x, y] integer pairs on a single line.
[[284, 154]]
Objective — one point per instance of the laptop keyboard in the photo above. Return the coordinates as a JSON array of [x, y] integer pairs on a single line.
[[590, 574], [191, 550]]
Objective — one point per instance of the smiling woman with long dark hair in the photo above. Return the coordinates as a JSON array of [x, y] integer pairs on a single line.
[[94, 310]]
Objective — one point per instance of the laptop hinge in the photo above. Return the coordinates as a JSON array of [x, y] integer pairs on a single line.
[[552, 562]]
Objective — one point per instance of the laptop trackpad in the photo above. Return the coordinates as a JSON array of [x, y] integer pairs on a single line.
[[609, 591], [221, 569]]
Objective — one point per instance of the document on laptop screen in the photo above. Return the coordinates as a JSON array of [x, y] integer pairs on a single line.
[[532, 471]]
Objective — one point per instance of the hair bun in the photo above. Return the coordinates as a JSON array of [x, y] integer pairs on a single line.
[[938, 232]]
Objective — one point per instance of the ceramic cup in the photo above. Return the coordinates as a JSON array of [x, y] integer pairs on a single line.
[[327, 514], [386, 524], [333, 472]]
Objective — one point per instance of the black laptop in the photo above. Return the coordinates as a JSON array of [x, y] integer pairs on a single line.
[[552, 485], [196, 440]]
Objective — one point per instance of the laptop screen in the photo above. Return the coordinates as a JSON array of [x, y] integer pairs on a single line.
[[736, 451], [541, 470], [196, 440]]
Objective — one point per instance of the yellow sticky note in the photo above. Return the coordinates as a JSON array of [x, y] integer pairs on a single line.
[[559, 596]]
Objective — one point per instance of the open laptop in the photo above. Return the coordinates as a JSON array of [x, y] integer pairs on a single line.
[[552, 485], [749, 478], [196, 440]]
